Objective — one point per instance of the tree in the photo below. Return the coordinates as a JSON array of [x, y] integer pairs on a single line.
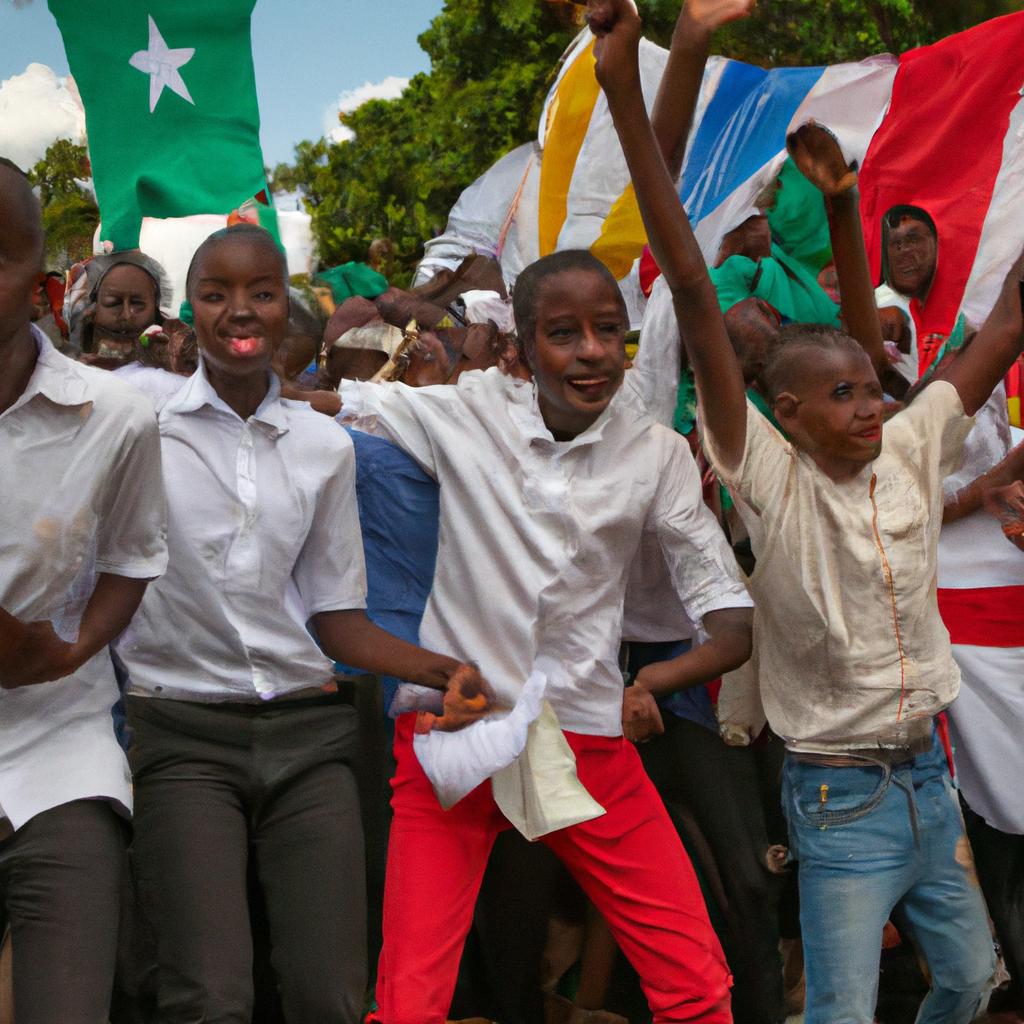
[[492, 62], [70, 214]]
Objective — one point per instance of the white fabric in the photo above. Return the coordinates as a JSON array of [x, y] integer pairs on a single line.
[[80, 462], [909, 362], [537, 536], [657, 367], [484, 306], [834, 671], [263, 534], [158, 384]]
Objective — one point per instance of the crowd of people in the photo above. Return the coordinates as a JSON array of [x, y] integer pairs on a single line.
[[752, 601]]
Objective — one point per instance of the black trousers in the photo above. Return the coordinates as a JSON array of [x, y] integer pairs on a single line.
[[219, 786], [60, 886], [999, 857], [721, 787]]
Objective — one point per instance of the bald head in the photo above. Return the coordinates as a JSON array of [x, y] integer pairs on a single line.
[[21, 251]]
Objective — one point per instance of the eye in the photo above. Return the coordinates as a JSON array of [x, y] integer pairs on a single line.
[[211, 297], [842, 391], [265, 296], [560, 333], [610, 328]]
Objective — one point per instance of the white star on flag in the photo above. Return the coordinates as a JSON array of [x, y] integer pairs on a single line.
[[161, 64]]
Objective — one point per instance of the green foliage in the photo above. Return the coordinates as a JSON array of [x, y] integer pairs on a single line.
[[70, 215], [492, 62]]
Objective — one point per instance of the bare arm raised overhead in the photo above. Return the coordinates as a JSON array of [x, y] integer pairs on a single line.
[[715, 367]]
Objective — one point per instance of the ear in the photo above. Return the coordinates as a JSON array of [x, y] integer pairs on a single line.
[[785, 406]]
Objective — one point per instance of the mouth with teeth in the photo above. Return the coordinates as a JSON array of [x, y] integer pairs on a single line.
[[244, 346], [589, 387]]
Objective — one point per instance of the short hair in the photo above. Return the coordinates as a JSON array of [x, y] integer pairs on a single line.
[[792, 344], [243, 230], [904, 211], [11, 165], [528, 286]]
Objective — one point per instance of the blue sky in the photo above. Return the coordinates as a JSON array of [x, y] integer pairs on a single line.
[[306, 53]]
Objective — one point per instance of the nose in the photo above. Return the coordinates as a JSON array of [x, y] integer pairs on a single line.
[[591, 346], [240, 305]]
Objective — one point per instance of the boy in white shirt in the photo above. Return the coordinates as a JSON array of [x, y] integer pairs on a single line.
[[82, 534]]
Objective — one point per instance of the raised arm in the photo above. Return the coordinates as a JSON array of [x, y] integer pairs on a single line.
[[716, 370], [816, 153], [990, 355], [684, 71]]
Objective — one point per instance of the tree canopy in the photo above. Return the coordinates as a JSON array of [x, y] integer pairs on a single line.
[[492, 62], [70, 215]]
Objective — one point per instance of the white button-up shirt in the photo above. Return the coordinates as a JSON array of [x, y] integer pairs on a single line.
[[537, 536], [80, 465], [849, 647], [263, 534]]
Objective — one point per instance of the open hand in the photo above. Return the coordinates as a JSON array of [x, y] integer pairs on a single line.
[[709, 15], [466, 699], [641, 718], [35, 655], [815, 150], [616, 24]]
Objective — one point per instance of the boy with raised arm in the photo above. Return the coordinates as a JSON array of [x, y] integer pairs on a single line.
[[853, 660]]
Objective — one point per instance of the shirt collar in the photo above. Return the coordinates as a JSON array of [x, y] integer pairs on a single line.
[[199, 393], [56, 377]]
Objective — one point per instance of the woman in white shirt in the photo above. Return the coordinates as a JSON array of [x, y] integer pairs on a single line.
[[241, 739]]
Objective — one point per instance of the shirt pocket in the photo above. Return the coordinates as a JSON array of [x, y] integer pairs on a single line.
[[901, 507]]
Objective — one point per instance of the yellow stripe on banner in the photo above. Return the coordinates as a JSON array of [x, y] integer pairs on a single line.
[[1014, 409], [622, 237], [568, 121]]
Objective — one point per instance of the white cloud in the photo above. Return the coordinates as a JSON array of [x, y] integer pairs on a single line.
[[36, 108], [389, 89]]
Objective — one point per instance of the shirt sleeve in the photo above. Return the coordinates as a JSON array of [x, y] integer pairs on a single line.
[[132, 535], [933, 428], [767, 461], [330, 572], [704, 571], [397, 412]]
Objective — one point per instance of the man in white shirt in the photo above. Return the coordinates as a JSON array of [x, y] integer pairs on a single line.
[[546, 490], [82, 534]]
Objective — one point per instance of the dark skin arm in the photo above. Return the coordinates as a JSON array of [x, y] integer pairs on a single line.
[[349, 636], [710, 354], [973, 497], [680, 84], [984, 362], [816, 153], [32, 652], [1006, 503], [728, 646]]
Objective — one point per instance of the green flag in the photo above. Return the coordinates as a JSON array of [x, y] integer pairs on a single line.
[[170, 106]]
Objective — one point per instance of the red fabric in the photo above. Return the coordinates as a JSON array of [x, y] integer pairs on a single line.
[[629, 861], [649, 271], [942, 728], [940, 147], [984, 616]]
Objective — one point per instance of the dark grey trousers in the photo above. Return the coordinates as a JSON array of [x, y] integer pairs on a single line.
[[60, 885], [216, 785]]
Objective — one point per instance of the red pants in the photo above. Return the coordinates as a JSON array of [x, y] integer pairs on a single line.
[[629, 862]]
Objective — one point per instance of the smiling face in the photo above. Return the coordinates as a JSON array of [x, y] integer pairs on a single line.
[[911, 252], [833, 409], [239, 303], [577, 351]]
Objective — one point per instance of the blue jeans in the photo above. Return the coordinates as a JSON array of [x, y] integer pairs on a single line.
[[870, 840]]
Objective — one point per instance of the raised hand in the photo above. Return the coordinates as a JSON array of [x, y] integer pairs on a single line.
[[616, 24], [710, 15], [815, 150]]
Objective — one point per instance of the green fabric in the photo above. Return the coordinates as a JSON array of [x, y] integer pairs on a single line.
[[781, 281], [798, 219], [353, 279], [182, 157]]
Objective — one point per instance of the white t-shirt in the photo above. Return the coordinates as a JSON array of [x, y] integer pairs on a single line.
[[263, 534], [537, 536], [82, 495], [849, 646]]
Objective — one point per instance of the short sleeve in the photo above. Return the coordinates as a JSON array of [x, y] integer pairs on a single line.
[[768, 459], [330, 572], [704, 572], [132, 536], [932, 428], [397, 412]]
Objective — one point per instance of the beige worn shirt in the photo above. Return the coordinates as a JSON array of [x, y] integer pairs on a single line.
[[849, 647]]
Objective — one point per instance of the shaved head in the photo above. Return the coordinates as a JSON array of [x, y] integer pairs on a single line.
[[21, 219], [21, 252]]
